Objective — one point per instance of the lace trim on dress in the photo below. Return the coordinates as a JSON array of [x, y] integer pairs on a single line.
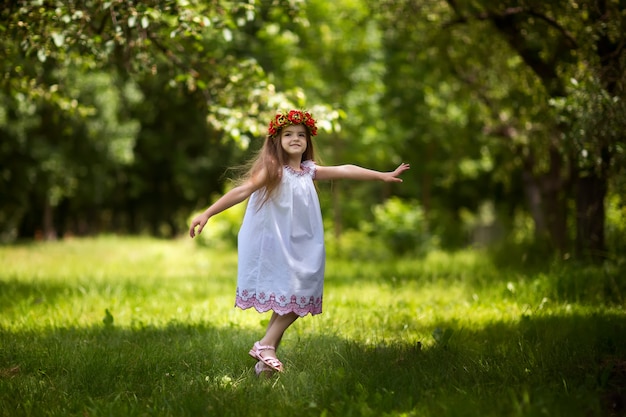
[[263, 303], [304, 170]]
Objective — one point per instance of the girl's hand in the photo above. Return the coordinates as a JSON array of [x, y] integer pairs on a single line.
[[393, 176], [200, 220]]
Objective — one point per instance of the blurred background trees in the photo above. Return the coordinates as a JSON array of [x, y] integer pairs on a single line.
[[123, 116]]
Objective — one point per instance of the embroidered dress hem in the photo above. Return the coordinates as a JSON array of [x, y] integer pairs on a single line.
[[304, 307]]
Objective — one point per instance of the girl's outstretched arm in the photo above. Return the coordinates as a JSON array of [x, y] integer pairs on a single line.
[[231, 198], [354, 172]]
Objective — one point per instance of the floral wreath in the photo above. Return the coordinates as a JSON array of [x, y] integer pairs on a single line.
[[294, 117]]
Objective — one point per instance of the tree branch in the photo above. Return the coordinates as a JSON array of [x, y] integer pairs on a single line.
[[571, 42], [512, 11], [507, 22]]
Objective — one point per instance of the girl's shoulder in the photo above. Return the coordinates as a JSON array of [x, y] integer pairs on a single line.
[[309, 164]]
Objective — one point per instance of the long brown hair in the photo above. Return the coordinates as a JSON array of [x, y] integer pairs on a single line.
[[272, 157]]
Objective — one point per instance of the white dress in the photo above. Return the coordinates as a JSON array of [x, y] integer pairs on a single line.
[[281, 248]]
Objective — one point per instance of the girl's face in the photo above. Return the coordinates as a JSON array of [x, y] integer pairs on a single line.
[[293, 140]]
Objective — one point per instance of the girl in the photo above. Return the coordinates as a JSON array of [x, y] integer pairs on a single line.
[[281, 240]]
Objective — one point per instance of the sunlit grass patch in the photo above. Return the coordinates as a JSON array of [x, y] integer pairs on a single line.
[[140, 281]]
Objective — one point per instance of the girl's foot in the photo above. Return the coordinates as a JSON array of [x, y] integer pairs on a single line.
[[267, 355]]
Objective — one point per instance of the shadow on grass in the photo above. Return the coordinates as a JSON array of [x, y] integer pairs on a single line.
[[554, 365], [571, 366]]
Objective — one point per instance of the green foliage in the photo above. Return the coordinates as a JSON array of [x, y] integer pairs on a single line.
[[357, 245], [103, 112], [448, 334], [398, 228], [616, 224], [481, 77], [401, 225], [598, 120], [73, 152]]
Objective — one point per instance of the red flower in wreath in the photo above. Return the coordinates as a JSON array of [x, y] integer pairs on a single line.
[[295, 117]]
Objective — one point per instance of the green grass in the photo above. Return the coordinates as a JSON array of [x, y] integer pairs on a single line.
[[451, 334]]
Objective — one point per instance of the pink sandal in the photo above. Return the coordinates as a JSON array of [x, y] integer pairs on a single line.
[[273, 363]]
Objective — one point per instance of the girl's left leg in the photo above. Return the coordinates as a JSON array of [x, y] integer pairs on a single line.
[[276, 328], [269, 326]]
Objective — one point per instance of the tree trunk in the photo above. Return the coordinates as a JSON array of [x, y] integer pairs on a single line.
[[546, 197], [591, 191], [49, 231], [590, 213], [427, 182], [555, 203], [535, 206]]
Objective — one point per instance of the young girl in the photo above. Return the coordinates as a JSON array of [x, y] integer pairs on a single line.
[[281, 241]]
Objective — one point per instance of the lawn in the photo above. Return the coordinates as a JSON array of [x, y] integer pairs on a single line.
[[119, 326]]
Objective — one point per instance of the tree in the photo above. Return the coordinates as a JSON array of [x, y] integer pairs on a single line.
[[553, 40], [532, 109]]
